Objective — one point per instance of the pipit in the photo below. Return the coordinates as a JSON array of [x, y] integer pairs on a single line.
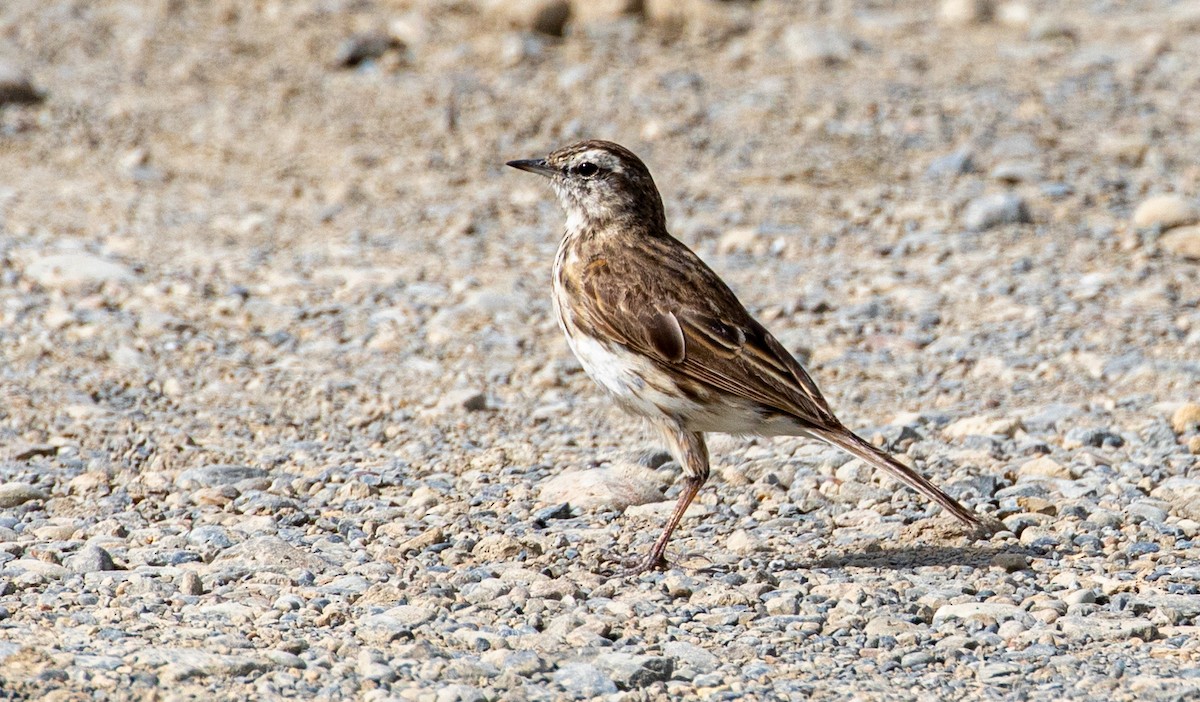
[[667, 339]]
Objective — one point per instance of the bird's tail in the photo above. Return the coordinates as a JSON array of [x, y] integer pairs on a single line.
[[846, 440]]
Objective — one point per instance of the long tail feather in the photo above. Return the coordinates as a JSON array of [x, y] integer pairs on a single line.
[[848, 441]]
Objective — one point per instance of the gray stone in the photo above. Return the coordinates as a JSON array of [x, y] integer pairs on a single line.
[[76, 270], [210, 476], [91, 559], [995, 210], [17, 494], [583, 681], [691, 656], [632, 671]]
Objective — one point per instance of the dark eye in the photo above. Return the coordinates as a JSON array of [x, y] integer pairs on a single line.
[[587, 169]]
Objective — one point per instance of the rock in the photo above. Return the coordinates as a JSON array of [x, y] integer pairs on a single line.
[[584, 680], [15, 87], [663, 509], [739, 240], [1186, 418], [270, 553], [363, 47], [690, 656], [1183, 242], [1011, 562], [982, 426], [1183, 494], [187, 663], [958, 13], [994, 611], [42, 568], [742, 541], [951, 165], [595, 11], [995, 210], [631, 671], [91, 559], [16, 494], [542, 16], [70, 271], [1165, 211], [210, 476], [1014, 14], [1043, 467], [997, 672], [817, 46], [458, 693], [615, 487], [190, 584], [1097, 627]]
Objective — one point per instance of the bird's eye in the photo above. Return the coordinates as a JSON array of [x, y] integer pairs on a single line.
[[587, 169]]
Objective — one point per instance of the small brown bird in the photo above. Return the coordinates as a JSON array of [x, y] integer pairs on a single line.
[[665, 336]]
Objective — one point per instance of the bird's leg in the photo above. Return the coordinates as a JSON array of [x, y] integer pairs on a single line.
[[688, 448]]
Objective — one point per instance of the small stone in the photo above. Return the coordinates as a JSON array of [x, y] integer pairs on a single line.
[[997, 672], [190, 584], [1100, 628], [542, 16], [742, 541], [1165, 211], [209, 476], [995, 210], [615, 487], [1011, 562], [1183, 494], [1043, 467], [995, 611], [91, 559], [982, 426], [739, 240], [954, 164], [1186, 418], [364, 46], [584, 680], [15, 87], [632, 671], [817, 46], [456, 692], [70, 271], [1183, 242], [691, 656], [16, 494], [959, 13], [597, 11]]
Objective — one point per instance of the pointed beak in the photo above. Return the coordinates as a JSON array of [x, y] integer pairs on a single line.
[[534, 165]]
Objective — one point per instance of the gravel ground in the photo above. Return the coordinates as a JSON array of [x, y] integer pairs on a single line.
[[285, 412]]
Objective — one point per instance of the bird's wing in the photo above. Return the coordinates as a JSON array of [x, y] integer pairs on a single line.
[[675, 309]]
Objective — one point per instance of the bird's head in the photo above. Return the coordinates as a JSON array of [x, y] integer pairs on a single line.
[[600, 183]]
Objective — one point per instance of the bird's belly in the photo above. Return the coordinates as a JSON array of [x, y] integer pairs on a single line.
[[634, 381]]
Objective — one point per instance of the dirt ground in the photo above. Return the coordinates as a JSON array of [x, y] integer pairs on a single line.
[[280, 236]]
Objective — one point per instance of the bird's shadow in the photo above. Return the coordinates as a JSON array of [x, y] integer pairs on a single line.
[[896, 558], [915, 556]]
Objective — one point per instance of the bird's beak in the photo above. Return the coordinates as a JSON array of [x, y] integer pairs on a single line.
[[535, 165]]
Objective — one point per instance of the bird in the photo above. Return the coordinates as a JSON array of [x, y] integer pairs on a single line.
[[662, 334]]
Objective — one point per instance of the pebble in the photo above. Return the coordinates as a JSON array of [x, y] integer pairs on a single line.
[[70, 271], [91, 559], [1186, 418], [1011, 562], [1182, 494], [817, 46], [585, 12], [583, 681], [544, 16], [969, 610], [190, 584], [1183, 242], [1043, 467], [995, 210], [364, 46], [17, 494], [615, 487], [1165, 211], [632, 671], [15, 86], [982, 426], [958, 13], [215, 475]]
